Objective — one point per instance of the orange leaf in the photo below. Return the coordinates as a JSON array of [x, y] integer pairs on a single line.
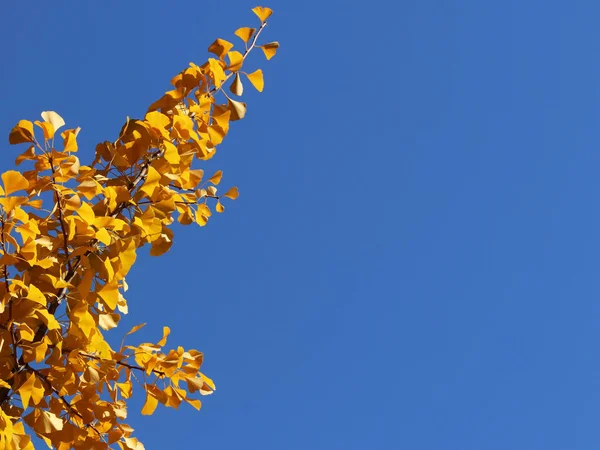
[[220, 47], [22, 132]]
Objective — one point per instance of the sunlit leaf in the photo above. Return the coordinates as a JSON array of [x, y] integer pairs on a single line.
[[262, 12], [238, 109], [13, 181], [232, 193], [21, 133], [216, 178], [245, 33], [220, 47], [256, 78], [53, 118], [236, 59], [236, 86], [136, 328], [270, 49]]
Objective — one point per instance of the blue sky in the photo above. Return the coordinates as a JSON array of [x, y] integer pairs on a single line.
[[412, 260]]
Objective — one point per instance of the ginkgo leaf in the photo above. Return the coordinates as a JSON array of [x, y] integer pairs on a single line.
[[108, 321], [220, 47], [270, 49], [151, 182], [49, 422], [216, 178], [86, 212], [110, 294], [238, 109], [150, 404], [236, 59], [245, 33], [163, 341], [70, 140], [236, 86], [262, 12], [53, 118], [21, 133], [219, 207], [232, 193], [136, 328], [14, 181], [47, 128], [256, 78]]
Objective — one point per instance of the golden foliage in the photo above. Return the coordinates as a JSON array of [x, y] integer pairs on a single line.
[[69, 235]]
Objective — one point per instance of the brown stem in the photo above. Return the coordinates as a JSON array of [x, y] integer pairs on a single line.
[[121, 363]]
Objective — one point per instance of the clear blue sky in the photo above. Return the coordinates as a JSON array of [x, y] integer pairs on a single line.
[[413, 260]]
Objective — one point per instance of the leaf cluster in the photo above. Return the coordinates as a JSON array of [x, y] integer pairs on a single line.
[[69, 235]]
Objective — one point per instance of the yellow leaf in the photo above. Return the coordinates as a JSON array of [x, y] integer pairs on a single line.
[[171, 153], [70, 140], [110, 294], [103, 236], [89, 188], [150, 405], [82, 318], [236, 59], [220, 47], [14, 181], [49, 422], [9, 203], [194, 402], [163, 243], [48, 319], [86, 212], [262, 12], [256, 78], [245, 33], [25, 332], [25, 390], [212, 191], [53, 118], [216, 71], [157, 120], [108, 321], [220, 208], [151, 182], [163, 341], [34, 294], [27, 155], [237, 87], [125, 389], [136, 328], [216, 178], [47, 128], [22, 132], [238, 109], [270, 49], [232, 193]]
